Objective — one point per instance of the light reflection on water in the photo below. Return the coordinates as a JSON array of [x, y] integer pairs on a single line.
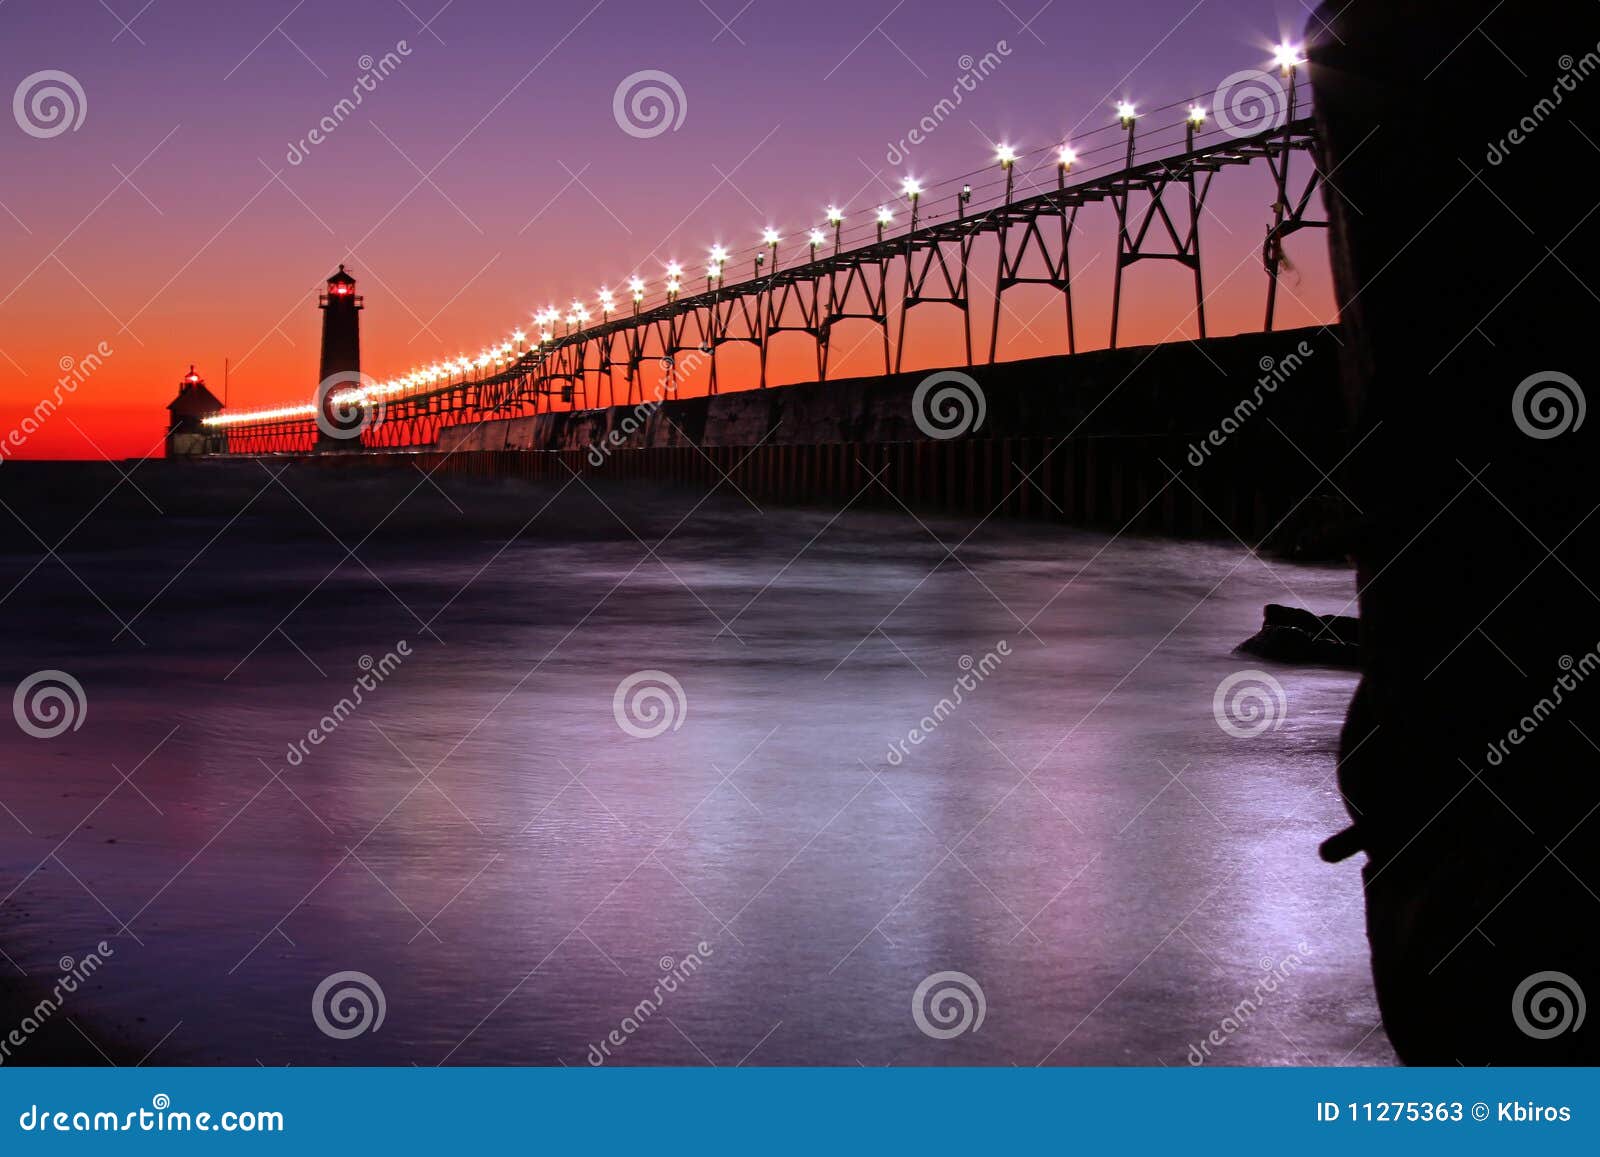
[[480, 836]]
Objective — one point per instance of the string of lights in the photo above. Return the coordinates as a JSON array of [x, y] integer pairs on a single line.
[[552, 326]]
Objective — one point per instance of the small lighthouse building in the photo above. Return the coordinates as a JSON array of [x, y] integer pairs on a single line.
[[187, 434]]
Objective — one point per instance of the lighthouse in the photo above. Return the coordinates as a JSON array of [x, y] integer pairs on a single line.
[[188, 435], [341, 357]]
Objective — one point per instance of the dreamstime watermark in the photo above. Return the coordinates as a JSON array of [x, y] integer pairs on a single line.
[[948, 404], [1274, 973], [649, 703], [74, 372], [619, 435], [674, 973], [1548, 404], [677, 368], [648, 103], [1576, 672], [48, 103], [373, 72], [1249, 102], [977, 670], [1274, 372], [1572, 71], [673, 371], [973, 73], [73, 974], [1248, 703], [347, 404], [376, 672], [1547, 1004], [347, 1004], [947, 1004], [161, 1117], [49, 703]]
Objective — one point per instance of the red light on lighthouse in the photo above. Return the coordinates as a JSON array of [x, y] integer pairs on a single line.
[[341, 287]]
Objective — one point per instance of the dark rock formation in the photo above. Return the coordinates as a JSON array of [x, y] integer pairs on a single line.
[[1467, 259], [1293, 635]]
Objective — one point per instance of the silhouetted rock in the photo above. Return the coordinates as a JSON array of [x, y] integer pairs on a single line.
[[1293, 635], [1462, 258]]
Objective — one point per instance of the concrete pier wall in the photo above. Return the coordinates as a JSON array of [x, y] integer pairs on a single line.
[[1187, 438]]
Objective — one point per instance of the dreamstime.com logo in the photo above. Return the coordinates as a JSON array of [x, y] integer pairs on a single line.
[[947, 1004], [374, 672], [48, 103], [1248, 703], [74, 372], [345, 407], [347, 1004], [974, 673], [1572, 73], [1548, 1004], [973, 73], [49, 703], [674, 974], [1250, 102], [1274, 372], [948, 404], [373, 73], [1548, 404], [1274, 974], [649, 703], [648, 103], [674, 371], [160, 1117], [74, 974]]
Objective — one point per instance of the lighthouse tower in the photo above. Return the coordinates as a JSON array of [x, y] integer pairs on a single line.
[[341, 347]]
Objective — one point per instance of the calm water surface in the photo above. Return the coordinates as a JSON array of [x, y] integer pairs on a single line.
[[1079, 836]]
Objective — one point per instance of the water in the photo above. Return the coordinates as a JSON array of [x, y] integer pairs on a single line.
[[1119, 876]]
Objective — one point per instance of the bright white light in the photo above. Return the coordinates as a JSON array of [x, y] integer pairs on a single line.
[[719, 253], [1287, 56], [1126, 112], [714, 272], [1006, 155], [260, 416], [637, 285], [884, 216], [1197, 115], [816, 238], [770, 236], [674, 271], [835, 215], [911, 187], [1067, 156]]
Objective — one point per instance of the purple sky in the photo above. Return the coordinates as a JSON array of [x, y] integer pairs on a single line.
[[540, 196]]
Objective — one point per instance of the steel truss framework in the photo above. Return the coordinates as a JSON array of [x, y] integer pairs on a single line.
[[1158, 205]]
